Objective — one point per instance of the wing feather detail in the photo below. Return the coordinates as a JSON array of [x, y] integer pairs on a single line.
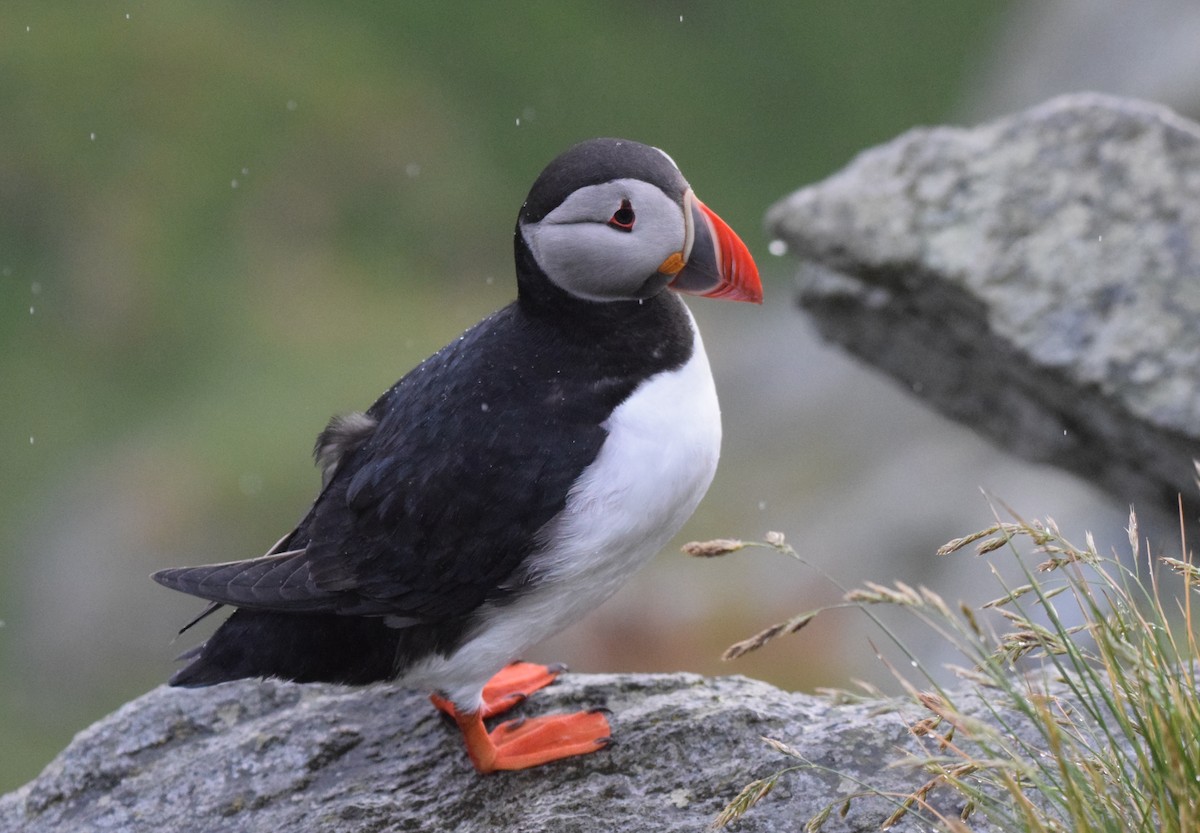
[[280, 581]]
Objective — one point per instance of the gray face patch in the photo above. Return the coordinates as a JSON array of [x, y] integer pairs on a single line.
[[580, 251]]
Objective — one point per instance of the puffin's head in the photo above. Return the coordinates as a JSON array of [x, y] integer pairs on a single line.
[[612, 219]]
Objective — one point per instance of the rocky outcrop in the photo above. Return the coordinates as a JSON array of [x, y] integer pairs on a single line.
[[1037, 278], [286, 758]]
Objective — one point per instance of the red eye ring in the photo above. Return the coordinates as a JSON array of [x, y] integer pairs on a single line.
[[623, 218]]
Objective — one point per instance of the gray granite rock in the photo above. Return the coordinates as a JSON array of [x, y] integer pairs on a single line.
[[1037, 278], [278, 758]]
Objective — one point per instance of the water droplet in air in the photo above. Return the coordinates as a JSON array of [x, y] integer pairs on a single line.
[[681, 18], [777, 247], [31, 439], [291, 105], [913, 663], [31, 310], [233, 183], [245, 171], [518, 121], [412, 170], [92, 135], [483, 406], [762, 506], [35, 287], [127, 15]]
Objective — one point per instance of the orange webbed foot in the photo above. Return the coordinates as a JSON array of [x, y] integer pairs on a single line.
[[533, 741], [524, 742], [508, 688]]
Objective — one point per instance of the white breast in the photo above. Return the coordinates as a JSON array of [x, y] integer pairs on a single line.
[[655, 466]]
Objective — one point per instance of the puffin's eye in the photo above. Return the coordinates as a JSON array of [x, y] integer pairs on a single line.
[[623, 218]]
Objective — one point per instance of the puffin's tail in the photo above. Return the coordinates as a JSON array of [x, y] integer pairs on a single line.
[[304, 647]]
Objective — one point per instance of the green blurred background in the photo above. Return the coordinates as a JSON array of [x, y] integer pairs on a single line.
[[220, 223]]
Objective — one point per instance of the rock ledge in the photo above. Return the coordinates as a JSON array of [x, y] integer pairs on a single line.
[[281, 757]]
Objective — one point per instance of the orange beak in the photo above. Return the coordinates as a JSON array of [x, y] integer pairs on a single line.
[[718, 264]]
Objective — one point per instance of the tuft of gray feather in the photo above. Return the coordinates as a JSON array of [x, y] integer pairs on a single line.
[[343, 435]]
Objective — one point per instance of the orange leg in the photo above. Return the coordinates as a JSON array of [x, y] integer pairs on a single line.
[[526, 742], [509, 688]]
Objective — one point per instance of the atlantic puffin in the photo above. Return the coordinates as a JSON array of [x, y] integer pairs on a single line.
[[513, 480]]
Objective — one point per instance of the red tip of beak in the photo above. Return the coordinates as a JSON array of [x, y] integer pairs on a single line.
[[739, 274], [719, 265]]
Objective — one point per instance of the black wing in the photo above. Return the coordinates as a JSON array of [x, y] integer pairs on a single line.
[[437, 509]]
